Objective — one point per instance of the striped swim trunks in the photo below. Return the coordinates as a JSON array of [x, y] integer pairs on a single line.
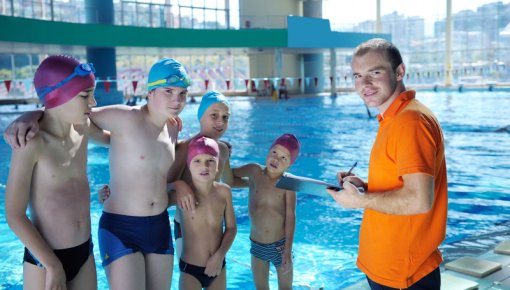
[[268, 252]]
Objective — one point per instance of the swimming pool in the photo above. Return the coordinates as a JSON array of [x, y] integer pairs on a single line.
[[334, 132]]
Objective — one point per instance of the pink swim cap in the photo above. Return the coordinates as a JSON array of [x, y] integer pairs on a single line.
[[290, 142], [202, 145], [59, 78]]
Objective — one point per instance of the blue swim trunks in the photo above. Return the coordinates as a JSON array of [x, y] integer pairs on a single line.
[[268, 252], [121, 235]]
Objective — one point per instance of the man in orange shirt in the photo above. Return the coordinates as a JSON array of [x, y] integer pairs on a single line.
[[405, 198]]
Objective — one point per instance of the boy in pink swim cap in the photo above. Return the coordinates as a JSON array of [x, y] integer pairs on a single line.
[[134, 233], [49, 176], [209, 231], [272, 213]]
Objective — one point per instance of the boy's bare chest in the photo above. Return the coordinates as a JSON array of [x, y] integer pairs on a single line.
[[64, 158], [149, 146], [209, 211]]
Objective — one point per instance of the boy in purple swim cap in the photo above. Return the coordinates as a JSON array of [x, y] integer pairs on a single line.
[[272, 213], [49, 176], [134, 232]]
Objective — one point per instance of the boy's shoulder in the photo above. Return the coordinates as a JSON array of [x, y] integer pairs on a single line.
[[222, 188], [38, 142]]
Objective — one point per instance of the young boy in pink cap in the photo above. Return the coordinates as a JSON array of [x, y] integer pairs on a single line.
[[49, 176], [213, 115], [135, 239], [272, 213], [209, 231]]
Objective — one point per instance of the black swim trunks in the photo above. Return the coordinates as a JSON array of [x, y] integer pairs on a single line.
[[197, 272], [72, 259]]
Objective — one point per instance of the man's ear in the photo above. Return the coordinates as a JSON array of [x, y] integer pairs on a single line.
[[400, 71]]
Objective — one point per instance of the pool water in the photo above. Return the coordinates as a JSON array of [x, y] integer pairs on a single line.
[[334, 132]]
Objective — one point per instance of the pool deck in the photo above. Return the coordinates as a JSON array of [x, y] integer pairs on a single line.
[[479, 262]]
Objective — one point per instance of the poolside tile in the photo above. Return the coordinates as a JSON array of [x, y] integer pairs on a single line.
[[474, 267], [450, 282], [503, 248]]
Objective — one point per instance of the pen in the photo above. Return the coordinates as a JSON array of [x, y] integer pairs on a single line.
[[352, 167]]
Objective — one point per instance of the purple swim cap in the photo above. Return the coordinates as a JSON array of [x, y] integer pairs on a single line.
[[59, 78], [202, 145], [291, 143]]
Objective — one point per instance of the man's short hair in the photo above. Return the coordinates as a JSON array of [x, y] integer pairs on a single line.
[[388, 49]]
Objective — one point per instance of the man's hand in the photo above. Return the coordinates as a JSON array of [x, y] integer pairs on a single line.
[[349, 177], [23, 129], [349, 197], [103, 194], [185, 196]]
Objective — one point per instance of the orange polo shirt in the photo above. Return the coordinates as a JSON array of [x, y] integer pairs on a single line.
[[399, 250]]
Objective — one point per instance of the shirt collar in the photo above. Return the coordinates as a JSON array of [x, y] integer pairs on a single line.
[[397, 105]]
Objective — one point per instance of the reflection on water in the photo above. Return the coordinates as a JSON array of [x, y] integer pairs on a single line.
[[335, 132]]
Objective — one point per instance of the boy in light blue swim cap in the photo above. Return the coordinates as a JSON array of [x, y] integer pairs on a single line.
[[213, 115], [167, 72], [134, 230]]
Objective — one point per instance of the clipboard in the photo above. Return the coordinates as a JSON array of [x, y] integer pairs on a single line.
[[305, 185]]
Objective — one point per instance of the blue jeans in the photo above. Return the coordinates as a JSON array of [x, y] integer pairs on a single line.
[[430, 282]]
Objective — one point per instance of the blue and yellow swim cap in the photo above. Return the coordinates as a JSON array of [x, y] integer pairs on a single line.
[[168, 72], [209, 99]]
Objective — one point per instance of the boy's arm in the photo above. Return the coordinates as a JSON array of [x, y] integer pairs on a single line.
[[179, 193], [230, 225], [290, 227], [213, 265], [227, 176], [243, 171], [99, 136], [23, 129], [17, 195], [110, 117]]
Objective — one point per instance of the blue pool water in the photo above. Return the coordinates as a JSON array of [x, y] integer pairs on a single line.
[[335, 132]]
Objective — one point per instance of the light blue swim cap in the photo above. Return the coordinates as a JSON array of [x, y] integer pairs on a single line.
[[167, 72], [209, 99]]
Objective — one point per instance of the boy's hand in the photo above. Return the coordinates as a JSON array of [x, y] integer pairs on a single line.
[[104, 193], [214, 265], [229, 147], [23, 129], [55, 278], [286, 262], [185, 196], [176, 121]]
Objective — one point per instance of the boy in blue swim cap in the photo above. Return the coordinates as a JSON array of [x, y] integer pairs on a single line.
[[134, 231]]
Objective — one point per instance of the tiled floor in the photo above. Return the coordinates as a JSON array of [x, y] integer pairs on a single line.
[[452, 280]]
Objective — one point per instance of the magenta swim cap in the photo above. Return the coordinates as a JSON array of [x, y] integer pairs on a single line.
[[202, 145], [291, 143], [59, 78]]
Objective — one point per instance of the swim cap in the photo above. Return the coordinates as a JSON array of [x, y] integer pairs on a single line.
[[168, 72], [59, 78], [209, 99], [202, 145], [291, 143]]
